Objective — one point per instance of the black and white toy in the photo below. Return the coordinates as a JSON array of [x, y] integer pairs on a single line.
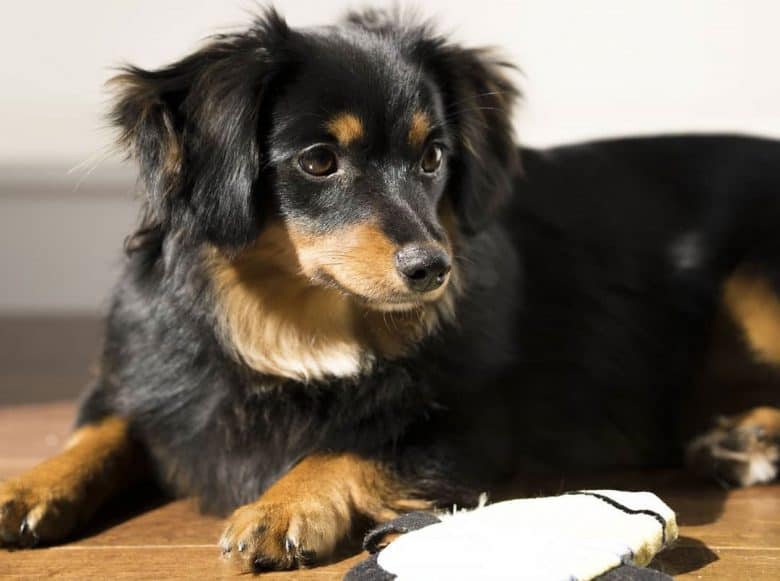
[[580, 535]]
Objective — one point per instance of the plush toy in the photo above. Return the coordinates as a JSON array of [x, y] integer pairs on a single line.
[[608, 534]]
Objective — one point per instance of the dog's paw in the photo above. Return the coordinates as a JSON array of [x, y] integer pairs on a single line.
[[740, 451], [267, 536], [33, 513]]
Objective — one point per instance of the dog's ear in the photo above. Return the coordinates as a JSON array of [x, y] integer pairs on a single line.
[[478, 100], [194, 127]]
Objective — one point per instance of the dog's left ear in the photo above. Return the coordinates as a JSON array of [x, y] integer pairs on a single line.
[[194, 127], [478, 100]]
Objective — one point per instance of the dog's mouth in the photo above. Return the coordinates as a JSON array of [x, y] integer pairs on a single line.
[[383, 295]]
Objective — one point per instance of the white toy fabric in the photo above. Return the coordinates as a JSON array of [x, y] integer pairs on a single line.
[[579, 535]]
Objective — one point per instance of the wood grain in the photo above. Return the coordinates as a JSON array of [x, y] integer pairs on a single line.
[[724, 535]]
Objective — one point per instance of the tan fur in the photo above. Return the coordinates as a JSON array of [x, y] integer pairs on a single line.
[[64, 491], [755, 306], [306, 307], [419, 129], [277, 321], [358, 258], [765, 417], [312, 509], [346, 128]]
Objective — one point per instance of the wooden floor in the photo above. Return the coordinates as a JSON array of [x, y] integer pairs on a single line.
[[733, 535]]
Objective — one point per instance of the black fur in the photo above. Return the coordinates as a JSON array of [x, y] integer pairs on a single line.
[[578, 331]]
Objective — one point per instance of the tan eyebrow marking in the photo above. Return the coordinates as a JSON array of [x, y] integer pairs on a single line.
[[346, 128], [419, 129]]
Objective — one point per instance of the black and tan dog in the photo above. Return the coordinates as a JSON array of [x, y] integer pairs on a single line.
[[352, 295]]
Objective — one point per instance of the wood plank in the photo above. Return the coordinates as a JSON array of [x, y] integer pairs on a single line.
[[724, 534], [30, 433], [141, 562], [735, 564]]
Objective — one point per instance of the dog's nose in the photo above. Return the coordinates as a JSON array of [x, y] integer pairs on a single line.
[[423, 267]]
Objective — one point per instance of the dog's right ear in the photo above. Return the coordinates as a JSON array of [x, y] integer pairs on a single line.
[[193, 129]]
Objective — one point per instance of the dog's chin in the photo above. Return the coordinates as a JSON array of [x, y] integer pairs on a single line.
[[399, 302], [394, 307]]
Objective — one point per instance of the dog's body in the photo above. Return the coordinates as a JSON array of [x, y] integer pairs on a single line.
[[263, 350]]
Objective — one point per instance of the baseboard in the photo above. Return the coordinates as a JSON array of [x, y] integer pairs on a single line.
[[47, 357], [55, 179]]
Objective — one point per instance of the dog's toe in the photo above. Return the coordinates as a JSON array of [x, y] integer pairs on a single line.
[[264, 537], [10, 519], [29, 515]]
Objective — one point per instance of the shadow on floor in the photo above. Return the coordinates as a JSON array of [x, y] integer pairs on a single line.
[[686, 555], [119, 510]]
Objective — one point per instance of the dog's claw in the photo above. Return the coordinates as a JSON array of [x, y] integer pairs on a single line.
[[27, 536], [306, 558], [261, 564]]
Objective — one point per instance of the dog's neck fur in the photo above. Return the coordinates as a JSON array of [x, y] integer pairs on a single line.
[[273, 319]]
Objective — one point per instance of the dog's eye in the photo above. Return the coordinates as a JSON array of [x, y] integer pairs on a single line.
[[318, 161], [431, 159]]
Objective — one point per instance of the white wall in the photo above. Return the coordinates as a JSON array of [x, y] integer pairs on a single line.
[[591, 68]]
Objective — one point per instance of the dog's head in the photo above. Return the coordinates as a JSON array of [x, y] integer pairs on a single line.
[[363, 144]]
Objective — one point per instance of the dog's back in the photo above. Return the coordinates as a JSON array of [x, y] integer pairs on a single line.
[[640, 258]]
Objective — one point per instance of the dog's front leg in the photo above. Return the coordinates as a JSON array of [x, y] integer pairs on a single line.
[[306, 514], [50, 501]]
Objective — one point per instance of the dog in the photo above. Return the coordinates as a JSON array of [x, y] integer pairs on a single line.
[[352, 295]]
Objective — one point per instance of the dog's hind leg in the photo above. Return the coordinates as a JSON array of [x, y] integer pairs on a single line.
[[52, 500], [744, 449]]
